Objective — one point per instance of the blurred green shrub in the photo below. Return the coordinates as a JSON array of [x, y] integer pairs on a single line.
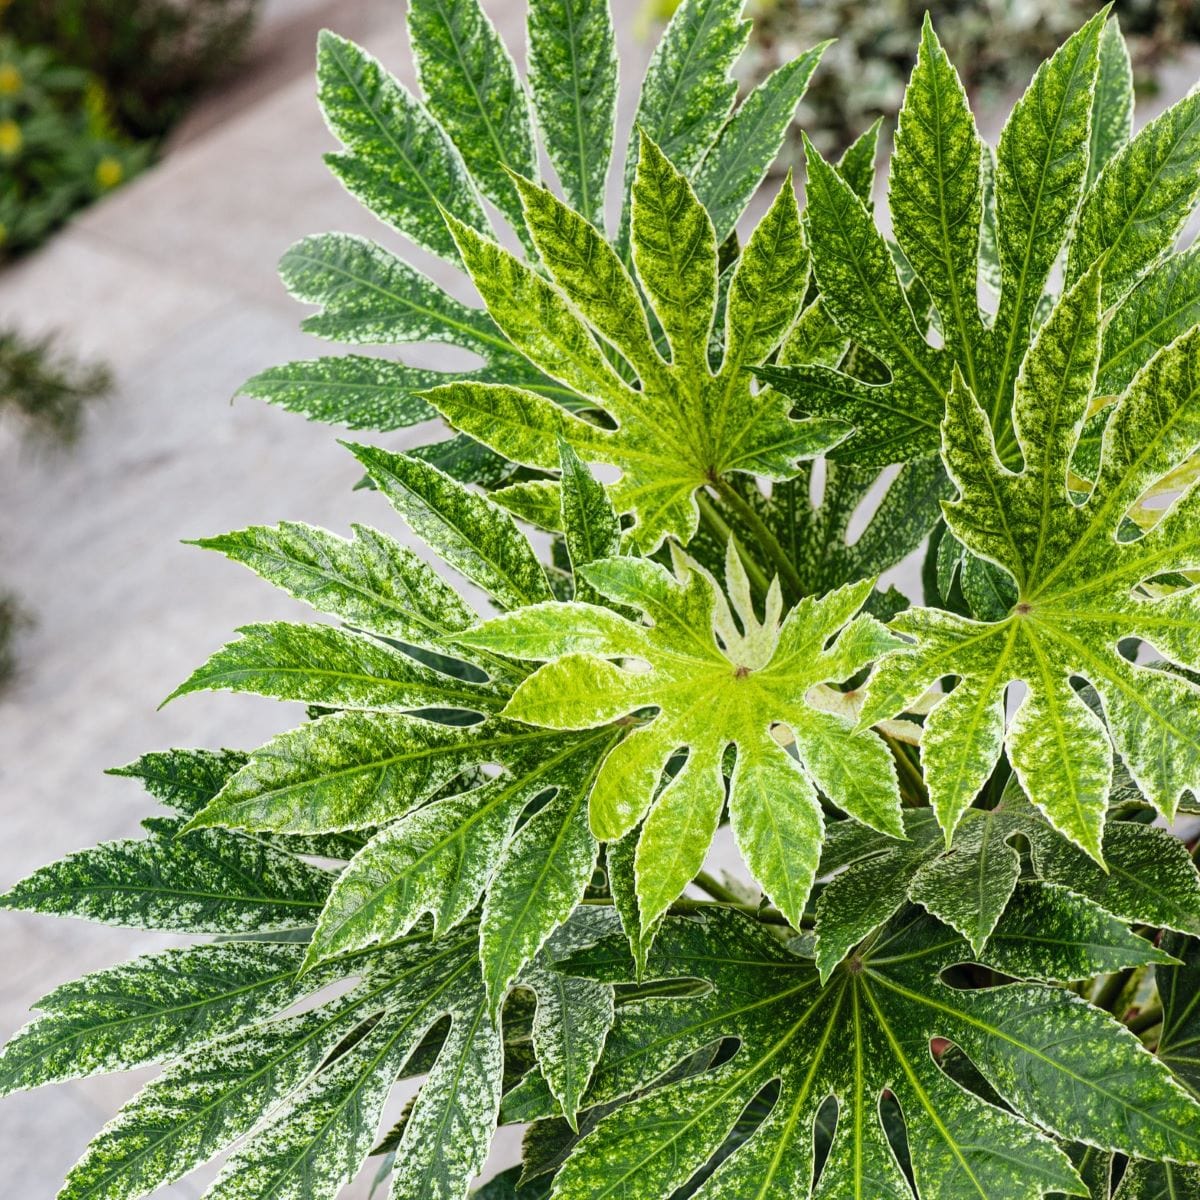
[[154, 56], [998, 42], [45, 391], [59, 148]]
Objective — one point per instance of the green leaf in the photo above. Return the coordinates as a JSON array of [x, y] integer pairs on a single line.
[[573, 80], [749, 142], [591, 528], [1140, 202], [685, 428], [687, 91], [860, 289], [1150, 878], [442, 857], [399, 162], [1056, 1061], [573, 1016], [199, 883], [1041, 168], [1163, 307], [1048, 932], [967, 886], [367, 295], [355, 391], [369, 580], [473, 535], [827, 541], [334, 668], [711, 695], [150, 1010], [541, 874], [185, 780], [935, 191], [472, 88], [1112, 107], [1074, 576], [354, 770]]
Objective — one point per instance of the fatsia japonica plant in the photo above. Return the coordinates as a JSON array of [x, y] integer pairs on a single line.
[[960, 957]]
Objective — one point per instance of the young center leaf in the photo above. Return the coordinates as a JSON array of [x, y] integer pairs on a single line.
[[1084, 578], [716, 682], [686, 427], [1055, 1062]]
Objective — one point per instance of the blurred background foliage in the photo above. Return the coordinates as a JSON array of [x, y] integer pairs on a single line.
[[153, 56], [60, 147], [998, 43], [88, 88], [88, 91]]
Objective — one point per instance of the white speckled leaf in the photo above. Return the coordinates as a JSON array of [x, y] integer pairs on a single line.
[[1056, 1061], [399, 162], [709, 698]]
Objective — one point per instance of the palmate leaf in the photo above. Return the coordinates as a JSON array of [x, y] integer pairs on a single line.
[[968, 885], [437, 833], [685, 428], [715, 685], [405, 159], [1057, 1062], [324, 1076], [1060, 179], [1078, 577]]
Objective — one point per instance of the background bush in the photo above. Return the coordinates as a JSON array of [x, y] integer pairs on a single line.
[[59, 146], [155, 56], [997, 44]]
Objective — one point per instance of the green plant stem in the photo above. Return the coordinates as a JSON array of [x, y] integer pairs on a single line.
[[684, 907], [719, 528], [912, 783], [1111, 989], [716, 889], [779, 559], [1150, 1016]]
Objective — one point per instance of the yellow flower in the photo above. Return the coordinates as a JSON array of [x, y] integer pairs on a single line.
[[11, 138], [11, 80], [109, 172]]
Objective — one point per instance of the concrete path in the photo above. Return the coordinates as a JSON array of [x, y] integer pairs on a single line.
[[172, 280]]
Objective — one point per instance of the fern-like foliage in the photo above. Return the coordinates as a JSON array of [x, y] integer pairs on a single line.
[[962, 961]]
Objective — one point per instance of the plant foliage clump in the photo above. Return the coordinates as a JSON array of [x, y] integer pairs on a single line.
[[155, 56], [59, 146], [963, 961]]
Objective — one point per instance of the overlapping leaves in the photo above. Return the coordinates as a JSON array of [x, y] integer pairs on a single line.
[[1083, 579], [448, 807], [684, 427], [716, 683], [1066, 174], [409, 160], [1054, 1061]]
